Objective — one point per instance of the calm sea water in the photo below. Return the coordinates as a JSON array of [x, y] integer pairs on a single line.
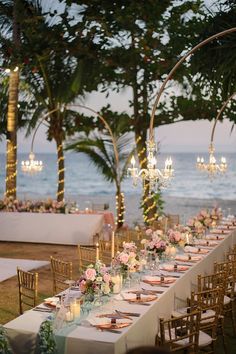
[[82, 178]]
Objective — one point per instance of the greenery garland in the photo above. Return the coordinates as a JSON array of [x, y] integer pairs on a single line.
[[47, 344], [4, 344]]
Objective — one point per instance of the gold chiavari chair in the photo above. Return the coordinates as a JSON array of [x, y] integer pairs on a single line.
[[172, 220], [178, 334], [161, 224], [61, 274], [229, 267], [87, 255], [216, 281], [209, 303], [28, 289]]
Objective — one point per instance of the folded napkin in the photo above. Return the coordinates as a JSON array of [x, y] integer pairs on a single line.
[[205, 243], [190, 249], [157, 280], [215, 237], [170, 268], [185, 258], [226, 227], [52, 301], [106, 322], [220, 231]]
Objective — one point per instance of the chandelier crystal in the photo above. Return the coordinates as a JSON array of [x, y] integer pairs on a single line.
[[157, 178], [212, 167], [31, 165]]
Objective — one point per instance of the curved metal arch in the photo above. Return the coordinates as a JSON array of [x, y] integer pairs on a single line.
[[91, 110], [219, 114], [169, 76]]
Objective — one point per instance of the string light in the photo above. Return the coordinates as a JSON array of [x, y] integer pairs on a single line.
[[120, 213], [147, 211], [10, 176], [61, 180]]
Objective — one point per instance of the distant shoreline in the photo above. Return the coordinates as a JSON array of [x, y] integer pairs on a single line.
[[184, 207]]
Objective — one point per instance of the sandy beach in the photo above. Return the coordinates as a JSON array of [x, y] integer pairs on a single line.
[[185, 207]]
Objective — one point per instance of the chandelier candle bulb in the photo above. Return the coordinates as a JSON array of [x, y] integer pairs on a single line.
[[97, 251]]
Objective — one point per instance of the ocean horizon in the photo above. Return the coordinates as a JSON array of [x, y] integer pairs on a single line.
[[82, 178]]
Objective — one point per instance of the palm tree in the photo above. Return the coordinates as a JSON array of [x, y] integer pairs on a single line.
[[100, 150], [9, 20]]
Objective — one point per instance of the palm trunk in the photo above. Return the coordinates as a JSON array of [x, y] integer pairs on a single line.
[[120, 208], [61, 171], [11, 158], [149, 205]]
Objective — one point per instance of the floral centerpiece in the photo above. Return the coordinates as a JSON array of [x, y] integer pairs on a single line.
[[128, 258], [96, 280], [49, 206], [216, 214], [196, 226], [157, 242], [179, 235]]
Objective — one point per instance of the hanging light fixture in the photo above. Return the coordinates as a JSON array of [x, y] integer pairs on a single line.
[[212, 167], [31, 165], [155, 177]]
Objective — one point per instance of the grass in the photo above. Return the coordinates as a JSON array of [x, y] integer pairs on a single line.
[[9, 308]]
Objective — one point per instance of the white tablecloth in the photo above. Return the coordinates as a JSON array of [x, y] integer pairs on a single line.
[[66, 229], [22, 331]]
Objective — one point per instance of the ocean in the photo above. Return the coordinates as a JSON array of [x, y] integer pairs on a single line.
[[82, 178]]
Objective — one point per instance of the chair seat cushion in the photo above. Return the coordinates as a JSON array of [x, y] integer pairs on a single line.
[[204, 339], [206, 317]]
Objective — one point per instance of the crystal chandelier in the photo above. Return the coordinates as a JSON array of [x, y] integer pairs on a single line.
[[157, 178], [31, 165], [212, 167]]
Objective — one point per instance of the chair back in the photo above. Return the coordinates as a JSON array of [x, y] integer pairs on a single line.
[[87, 255], [173, 219], [61, 272], [209, 303], [99, 206], [229, 267], [28, 289], [180, 333]]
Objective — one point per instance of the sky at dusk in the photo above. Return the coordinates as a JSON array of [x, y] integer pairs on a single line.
[[192, 136]]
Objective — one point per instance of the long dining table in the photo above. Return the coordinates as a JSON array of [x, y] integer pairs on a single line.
[[85, 339]]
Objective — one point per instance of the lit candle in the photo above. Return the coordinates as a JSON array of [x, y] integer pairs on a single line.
[[187, 239], [172, 251], [75, 308], [116, 279], [69, 316], [113, 244], [97, 251]]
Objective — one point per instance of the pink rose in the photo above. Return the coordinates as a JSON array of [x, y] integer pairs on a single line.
[[106, 277], [148, 232], [90, 274], [82, 286], [124, 258]]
